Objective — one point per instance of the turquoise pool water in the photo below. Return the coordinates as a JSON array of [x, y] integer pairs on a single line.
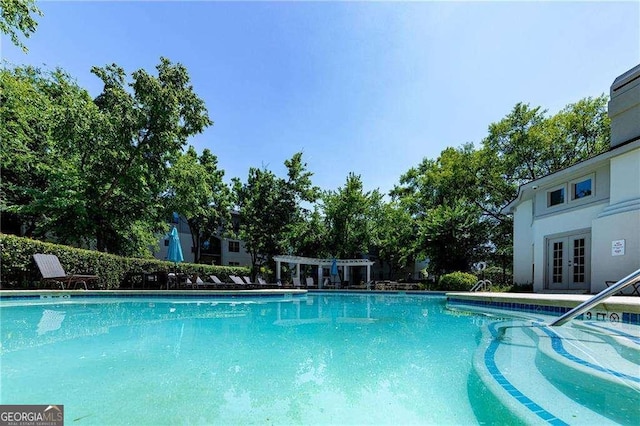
[[316, 359]]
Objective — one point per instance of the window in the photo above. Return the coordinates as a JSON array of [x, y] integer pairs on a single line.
[[571, 191], [234, 246], [581, 188], [234, 263], [555, 197]]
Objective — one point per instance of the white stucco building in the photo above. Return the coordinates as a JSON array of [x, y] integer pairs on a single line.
[[580, 227]]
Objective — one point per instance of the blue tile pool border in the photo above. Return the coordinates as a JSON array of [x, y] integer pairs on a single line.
[[558, 347], [532, 308], [515, 393]]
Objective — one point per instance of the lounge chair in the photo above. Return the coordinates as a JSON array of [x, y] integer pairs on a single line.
[[262, 283], [238, 281], [249, 283], [186, 283], [296, 282], [217, 282], [53, 272], [310, 283], [634, 291], [197, 282]]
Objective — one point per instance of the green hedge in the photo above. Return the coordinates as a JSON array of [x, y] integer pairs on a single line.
[[19, 269], [457, 281]]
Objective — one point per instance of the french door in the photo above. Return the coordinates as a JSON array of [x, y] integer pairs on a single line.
[[568, 262]]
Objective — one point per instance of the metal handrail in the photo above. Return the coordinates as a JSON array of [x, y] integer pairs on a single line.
[[630, 279], [482, 285]]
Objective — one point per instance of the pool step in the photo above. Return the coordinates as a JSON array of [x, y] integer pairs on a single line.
[[623, 337], [521, 372], [588, 366]]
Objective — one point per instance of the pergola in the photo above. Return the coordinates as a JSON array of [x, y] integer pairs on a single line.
[[321, 264]]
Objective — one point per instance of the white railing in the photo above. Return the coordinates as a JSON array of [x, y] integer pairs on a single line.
[[482, 285]]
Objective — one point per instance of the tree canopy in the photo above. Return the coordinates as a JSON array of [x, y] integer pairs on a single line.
[[348, 217], [94, 171], [197, 191], [108, 172], [457, 200], [271, 211], [17, 19]]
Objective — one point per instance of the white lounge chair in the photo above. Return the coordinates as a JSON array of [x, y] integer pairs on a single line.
[[263, 284], [296, 282], [215, 280], [197, 282], [238, 281], [310, 283]]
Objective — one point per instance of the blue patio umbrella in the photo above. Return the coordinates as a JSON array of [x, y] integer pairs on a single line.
[[334, 267], [334, 272], [174, 253]]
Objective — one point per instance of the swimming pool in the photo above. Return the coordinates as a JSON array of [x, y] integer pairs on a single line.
[[314, 359]]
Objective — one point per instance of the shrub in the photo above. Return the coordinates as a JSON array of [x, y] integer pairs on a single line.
[[19, 269], [457, 281]]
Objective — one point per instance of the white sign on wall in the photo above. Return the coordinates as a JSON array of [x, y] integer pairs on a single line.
[[617, 248]]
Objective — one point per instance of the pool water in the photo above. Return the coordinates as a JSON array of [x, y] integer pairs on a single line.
[[316, 359]]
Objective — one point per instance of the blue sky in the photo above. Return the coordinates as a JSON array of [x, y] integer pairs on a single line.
[[365, 87]]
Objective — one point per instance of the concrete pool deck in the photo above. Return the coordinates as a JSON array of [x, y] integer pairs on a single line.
[[629, 304], [154, 293]]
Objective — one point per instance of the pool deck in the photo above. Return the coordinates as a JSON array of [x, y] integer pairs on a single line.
[[629, 304], [153, 293]]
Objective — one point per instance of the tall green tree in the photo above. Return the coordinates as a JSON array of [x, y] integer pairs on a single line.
[[454, 236], [43, 116], [198, 193], [94, 171], [395, 236], [271, 209], [301, 192], [519, 143], [577, 132], [526, 145], [348, 216], [143, 126], [17, 19], [442, 197], [308, 236]]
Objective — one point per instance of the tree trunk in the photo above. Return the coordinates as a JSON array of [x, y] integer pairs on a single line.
[[195, 241]]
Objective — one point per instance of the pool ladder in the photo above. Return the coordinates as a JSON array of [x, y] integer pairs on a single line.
[[625, 282]]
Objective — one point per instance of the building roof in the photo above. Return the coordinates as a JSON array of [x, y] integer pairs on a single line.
[[590, 164]]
